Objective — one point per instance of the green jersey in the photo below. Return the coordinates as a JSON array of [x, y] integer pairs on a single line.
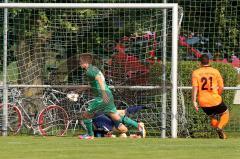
[[91, 73]]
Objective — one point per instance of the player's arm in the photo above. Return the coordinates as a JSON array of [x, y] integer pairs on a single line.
[[101, 80], [194, 91], [220, 84], [131, 110], [194, 97]]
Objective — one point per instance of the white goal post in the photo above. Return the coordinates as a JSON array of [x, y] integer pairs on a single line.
[[174, 41]]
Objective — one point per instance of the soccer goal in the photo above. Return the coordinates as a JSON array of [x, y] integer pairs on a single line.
[[134, 44]]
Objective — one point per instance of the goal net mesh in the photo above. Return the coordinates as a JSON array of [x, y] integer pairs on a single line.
[[127, 45]]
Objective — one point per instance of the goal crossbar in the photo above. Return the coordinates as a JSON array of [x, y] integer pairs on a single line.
[[89, 5]]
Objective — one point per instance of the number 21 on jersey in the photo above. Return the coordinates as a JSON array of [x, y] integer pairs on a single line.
[[206, 83]]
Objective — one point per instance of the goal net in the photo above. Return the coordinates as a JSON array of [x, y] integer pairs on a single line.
[[44, 45]]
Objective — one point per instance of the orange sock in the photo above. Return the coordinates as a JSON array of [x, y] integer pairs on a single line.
[[214, 122], [223, 119]]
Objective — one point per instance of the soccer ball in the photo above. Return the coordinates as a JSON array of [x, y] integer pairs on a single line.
[[123, 135], [73, 96]]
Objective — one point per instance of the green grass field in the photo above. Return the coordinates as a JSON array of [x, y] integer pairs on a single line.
[[31, 147]]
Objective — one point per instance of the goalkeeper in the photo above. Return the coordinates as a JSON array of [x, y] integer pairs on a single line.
[[103, 98], [104, 126]]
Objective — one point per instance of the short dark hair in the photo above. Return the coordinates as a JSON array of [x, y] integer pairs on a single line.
[[204, 59]]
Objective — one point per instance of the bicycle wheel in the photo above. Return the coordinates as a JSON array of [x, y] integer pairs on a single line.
[[53, 120], [14, 119]]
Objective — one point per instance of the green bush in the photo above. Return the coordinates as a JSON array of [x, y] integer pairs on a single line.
[[198, 123]]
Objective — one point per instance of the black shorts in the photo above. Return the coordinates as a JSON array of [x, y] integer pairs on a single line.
[[219, 109]]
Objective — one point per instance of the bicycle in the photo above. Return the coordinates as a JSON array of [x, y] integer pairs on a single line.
[[52, 118], [73, 108]]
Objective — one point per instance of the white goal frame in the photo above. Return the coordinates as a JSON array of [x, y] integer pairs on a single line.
[[174, 60]]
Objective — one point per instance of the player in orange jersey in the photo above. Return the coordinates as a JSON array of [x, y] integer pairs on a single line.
[[207, 85]]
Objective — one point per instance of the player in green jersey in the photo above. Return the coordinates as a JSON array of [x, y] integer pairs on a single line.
[[103, 98]]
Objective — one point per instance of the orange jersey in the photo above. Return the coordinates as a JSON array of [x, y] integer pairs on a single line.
[[208, 80]]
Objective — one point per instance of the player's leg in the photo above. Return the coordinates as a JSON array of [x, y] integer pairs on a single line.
[[213, 111], [134, 109], [89, 126], [138, 125], [214, 121], [118, 126], [224, 118], [98, 105], [117, 120], [104, 125], [111, 111], [222, 110], [93, 107]]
